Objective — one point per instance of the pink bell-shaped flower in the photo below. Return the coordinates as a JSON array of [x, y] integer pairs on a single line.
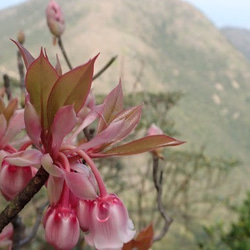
[[109, 223], [61, 227], [55, 19], [13, 179], [83, 213]]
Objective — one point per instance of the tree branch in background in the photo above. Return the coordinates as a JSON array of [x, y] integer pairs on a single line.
[[19, 229], [18, 203], [100, 72], [105, 67], [21, 70], [33, 233], [157, 178], [6, 80]]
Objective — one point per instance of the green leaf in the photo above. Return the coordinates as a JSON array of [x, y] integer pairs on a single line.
[[40, 78], [145, 144], [71, 88]]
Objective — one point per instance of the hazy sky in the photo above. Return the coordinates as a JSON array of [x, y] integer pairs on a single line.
[[220, 12], [225, 12]]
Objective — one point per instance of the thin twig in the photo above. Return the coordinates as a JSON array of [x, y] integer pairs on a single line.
[[21, 70], [18, 203], [158, 178], [6, 80], [35, 228], [19, 229], [105, 67], [60, 43]]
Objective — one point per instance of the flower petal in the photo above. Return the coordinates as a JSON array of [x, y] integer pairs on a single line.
[[54, 187], [80, 185], [47, 163], [104, 137], [25, 158], [64, 122], [32, 123], [16, 124], [3, 126]]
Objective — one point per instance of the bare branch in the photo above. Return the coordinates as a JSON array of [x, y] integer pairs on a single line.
[[158, 177]]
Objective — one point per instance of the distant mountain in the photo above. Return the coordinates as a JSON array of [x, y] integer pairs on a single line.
[[161, 46], [240, 38]]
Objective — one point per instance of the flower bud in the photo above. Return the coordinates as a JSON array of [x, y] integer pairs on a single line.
[[109, 223], [61, 227], [154, 130], [21, 37], [55, 19]]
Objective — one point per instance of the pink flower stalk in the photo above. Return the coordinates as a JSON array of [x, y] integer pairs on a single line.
[[109, 223], [6, 237], [61, 227], [55, 19]]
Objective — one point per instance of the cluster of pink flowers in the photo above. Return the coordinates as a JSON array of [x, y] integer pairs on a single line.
[[58, 108]]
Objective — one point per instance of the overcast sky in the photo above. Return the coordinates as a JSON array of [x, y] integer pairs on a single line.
[[225, 12], [220, 12]]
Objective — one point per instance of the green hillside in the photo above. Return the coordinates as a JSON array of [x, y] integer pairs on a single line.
[[240, 38], [163, 46]]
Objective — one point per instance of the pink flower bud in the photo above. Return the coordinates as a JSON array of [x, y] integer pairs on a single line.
[[154, 130], [13, 179], [55, 19], [109, 223], [61, 227]]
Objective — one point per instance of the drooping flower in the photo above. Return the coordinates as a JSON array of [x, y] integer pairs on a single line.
[[61, 227], [109, 223], [55, 18], [13, 179]]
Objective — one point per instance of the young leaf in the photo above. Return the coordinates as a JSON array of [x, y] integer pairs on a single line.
[[113, 104], [40, 78], [27, 57], [71, 88], [144, 144]]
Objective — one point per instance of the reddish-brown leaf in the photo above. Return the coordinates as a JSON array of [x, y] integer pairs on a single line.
[[143, 240], [71, 88], [144, 144]]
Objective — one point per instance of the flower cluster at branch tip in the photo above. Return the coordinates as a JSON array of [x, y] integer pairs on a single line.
[[58, 108]]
